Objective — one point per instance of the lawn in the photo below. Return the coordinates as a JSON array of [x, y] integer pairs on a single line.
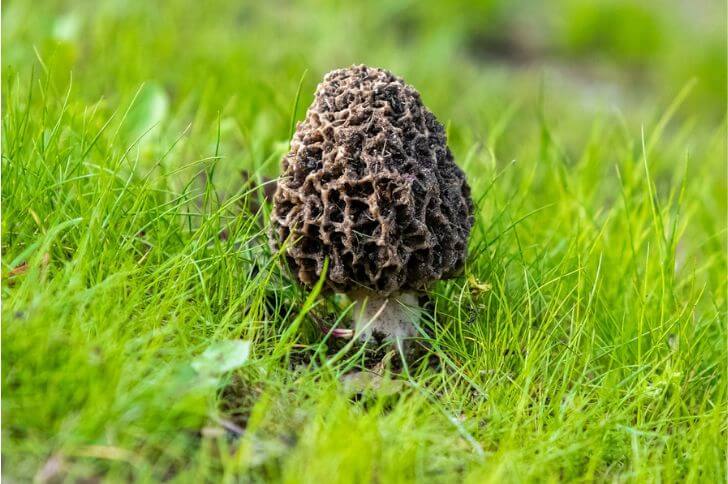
[[149, 332]]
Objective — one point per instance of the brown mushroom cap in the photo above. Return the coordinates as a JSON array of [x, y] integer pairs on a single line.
[[370, 183]]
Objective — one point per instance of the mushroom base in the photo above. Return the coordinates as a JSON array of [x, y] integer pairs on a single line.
[[390, 319]]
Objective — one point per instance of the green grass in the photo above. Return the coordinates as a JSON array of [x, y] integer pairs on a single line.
[[586, 339]]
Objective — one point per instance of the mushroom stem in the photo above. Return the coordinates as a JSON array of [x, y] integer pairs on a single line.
[[390, 319]]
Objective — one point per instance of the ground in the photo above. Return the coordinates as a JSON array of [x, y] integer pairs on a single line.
[[148, 332]]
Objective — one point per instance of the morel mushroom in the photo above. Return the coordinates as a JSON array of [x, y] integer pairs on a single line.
[[371, 184]]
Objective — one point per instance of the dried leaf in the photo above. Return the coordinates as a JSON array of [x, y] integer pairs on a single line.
[[21, 269], [478, 287]]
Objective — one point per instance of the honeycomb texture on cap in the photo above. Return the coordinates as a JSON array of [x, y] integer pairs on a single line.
[[370, 183]]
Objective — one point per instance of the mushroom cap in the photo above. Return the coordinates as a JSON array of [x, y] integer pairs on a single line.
[[370, 183]]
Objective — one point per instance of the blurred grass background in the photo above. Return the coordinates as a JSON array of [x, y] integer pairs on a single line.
[[596, 129], [471, 59]]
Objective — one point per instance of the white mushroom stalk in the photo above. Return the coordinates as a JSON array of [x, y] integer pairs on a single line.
[[393, 319]]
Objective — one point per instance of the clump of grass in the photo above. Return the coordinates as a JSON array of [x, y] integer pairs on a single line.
[[148, 332]]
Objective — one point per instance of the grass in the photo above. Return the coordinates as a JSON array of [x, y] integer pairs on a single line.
[[148, 332]]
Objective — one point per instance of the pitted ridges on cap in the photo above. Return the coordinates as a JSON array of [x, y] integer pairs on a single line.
[[370, 183]]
